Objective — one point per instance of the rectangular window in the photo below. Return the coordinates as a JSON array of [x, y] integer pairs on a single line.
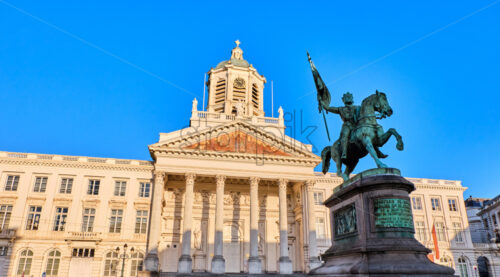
[[452, 204], [115, 222], [494, 220], [457, 229], [416, 203], [436, 206], [320, 228], [88, 220], [40, 184], [66, 185], [144, 189], [420, 231], [33, 217], [60, 218], [5, 213], [486, 225], [120, 187], [4, 250], [94, 187], [318, 198], [440, 231], [83, 252], [141, 222], [12, 182]]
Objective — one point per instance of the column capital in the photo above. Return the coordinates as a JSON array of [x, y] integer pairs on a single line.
[[220, 179], [190, 177], [310, 184], [282, 183], [254, 181], [160, 175]]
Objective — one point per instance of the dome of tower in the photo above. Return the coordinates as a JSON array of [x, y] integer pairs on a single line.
[[236, 58]]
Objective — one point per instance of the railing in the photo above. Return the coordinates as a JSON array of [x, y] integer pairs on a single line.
[[47, 157], [17, 155], [484, 246], [7, 234], [231, 117], [84, 236], [268, 120]]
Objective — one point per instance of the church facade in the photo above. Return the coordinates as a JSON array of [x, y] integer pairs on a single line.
[[230, 193]]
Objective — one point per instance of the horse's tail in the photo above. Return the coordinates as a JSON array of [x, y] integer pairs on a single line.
[[326, 156]]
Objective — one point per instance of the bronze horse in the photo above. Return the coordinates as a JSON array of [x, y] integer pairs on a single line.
[[366, 137]]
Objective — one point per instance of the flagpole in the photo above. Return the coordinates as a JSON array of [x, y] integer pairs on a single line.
[[326, 125], [204, 87], [272, 99]]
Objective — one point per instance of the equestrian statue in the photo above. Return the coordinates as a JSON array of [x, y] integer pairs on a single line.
[[360, 133]]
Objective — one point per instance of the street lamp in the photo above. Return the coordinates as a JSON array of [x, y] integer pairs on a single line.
[[124, 255]]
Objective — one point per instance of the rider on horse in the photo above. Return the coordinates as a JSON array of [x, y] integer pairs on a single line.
[[349, 115]]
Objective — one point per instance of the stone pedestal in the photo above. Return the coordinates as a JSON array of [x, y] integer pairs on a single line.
[[151, 262], [185, 264], [285, 265], [218, 265], [373, 233], [313, 263], [254, 265]]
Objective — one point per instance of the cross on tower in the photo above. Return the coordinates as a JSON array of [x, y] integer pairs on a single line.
[[237, 42]]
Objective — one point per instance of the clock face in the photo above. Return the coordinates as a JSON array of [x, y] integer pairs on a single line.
[[239, 83]]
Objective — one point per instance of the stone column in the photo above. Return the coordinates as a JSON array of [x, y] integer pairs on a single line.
[[254, 264], [185, 261], [314, 262], [218, 262], [151, 262], [284, 261]]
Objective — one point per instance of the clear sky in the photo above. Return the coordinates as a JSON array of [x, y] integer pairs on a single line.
[[103, 78]]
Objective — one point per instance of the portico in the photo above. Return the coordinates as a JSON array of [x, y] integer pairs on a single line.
[[258, 211]]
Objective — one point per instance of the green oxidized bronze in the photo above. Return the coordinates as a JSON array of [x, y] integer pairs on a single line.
[[393, 213], [360, 134], [345, 221]]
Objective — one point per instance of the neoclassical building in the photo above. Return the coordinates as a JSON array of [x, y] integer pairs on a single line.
[[484, 221], [229, 193]]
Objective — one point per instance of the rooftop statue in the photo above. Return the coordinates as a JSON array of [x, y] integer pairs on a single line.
[[360, 133]]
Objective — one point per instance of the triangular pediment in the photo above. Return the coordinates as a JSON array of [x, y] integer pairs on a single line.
[[237, 138], [237, 142]]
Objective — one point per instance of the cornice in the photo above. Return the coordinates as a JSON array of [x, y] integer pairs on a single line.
[[77, 164], [439, 187], [232, 156]]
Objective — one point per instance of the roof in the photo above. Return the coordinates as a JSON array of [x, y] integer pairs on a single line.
[[235, 62]]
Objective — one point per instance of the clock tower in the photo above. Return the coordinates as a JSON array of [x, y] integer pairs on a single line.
[[235, 87]]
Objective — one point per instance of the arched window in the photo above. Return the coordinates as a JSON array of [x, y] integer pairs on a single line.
[[136, 263], [462, 267], [483, 266], [445, 260], [111, 263], [53, 261], [25, 260]]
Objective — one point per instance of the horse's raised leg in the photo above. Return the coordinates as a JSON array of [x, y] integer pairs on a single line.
[[367, 142], [387, 135]]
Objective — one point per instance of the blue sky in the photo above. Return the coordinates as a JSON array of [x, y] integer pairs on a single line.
[[103, 78]]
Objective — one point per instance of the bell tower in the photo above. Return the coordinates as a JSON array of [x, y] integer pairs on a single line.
[[235, 87]]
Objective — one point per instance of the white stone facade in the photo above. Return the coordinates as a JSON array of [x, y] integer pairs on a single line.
[[230, 193], [485, 228]]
